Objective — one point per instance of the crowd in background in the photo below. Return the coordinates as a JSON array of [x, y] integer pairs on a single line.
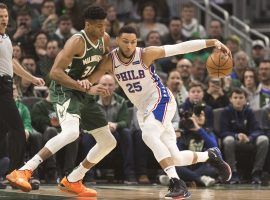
[[232, 113]]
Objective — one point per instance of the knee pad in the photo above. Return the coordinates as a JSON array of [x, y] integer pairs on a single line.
[[105, 144], [70, 132], [104, 137]]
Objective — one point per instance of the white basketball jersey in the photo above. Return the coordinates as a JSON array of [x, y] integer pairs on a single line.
[[141, 84]]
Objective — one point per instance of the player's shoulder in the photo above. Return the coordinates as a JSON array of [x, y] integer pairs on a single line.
[[75, 40]]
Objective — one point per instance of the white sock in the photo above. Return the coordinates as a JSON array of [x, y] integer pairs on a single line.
[[202, 156], [77, 174], [33, 163], [171, 172]]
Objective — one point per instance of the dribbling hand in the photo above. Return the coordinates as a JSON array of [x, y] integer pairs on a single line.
[[99, 90], [222, 47]]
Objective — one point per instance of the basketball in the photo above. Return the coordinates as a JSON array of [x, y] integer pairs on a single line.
[[219, 64]]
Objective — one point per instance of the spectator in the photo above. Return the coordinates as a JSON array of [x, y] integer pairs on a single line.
[[122, 14], [153, 38], [214, 96], [17, 52], [72, 9], [115, 24], [23, 5], [175, 84], [46, 62], [233, 43], [29, 63], [190, 26], [259, 52], [175, 32], [64, 30], [216, 30], [264, 77], [241, 62], [25, 87], [24, 33], [184, 66], [239, 128], [148, 23], [198, 72], [251, 87], [40, 42], [48, 18]]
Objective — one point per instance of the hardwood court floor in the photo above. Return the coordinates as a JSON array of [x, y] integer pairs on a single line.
[[153, 192]]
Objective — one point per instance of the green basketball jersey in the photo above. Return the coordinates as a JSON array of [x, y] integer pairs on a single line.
[[83, 66]]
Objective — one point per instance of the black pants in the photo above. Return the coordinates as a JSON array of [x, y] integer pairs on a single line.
[[10, 121]]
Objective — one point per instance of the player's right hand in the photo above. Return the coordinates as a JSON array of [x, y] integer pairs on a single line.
[[99, 89]]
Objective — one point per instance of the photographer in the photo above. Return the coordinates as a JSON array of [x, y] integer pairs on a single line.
[[196, 138], [195, 102]]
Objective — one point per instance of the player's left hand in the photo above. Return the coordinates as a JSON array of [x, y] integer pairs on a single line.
[[38, 81], [85, 84], [99, 89]]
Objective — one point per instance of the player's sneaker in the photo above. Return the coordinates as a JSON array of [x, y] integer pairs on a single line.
[[216, 160], [77, 188], [178, 190], [20, 179]]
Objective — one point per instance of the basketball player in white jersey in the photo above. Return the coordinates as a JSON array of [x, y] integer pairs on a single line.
[[135, 73]]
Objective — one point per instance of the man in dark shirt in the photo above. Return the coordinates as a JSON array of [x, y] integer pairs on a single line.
[[239, 129]]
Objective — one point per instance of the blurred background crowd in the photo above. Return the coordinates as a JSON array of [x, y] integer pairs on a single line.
[[232, 113]]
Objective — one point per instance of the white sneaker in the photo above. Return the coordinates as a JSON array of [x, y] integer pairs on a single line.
[[164, 180], [208, 181]]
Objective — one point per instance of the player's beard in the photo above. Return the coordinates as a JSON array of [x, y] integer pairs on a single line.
[[127, 57]]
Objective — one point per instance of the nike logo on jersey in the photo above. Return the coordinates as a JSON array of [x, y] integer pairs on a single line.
[[136, 62], [89, 48]]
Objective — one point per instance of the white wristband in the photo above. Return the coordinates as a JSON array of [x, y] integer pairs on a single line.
[[184, 47]]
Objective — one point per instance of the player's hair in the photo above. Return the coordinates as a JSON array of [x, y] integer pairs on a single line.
[[94, 12], [127, 29], [3, 6]]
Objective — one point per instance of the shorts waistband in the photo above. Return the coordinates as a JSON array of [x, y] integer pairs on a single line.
[[5, 77]]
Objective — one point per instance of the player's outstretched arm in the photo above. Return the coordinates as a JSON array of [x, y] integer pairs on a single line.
[[152, 53], [63, 60]]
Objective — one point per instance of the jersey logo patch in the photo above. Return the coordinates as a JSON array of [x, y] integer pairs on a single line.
[[136, 62]]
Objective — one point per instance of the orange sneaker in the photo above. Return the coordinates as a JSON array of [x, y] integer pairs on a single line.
[[20, 179], [77, 188]]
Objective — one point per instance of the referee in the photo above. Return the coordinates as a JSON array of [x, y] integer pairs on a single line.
[[9, 114]]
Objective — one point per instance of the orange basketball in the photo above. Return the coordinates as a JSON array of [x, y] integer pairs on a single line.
[[219, 64]]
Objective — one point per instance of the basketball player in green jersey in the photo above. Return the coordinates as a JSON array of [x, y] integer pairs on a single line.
[[70, 93]]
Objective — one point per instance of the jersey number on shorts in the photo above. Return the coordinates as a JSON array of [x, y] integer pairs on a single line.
[[134, 87]]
